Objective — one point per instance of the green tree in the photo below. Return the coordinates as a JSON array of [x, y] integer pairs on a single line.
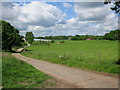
[[29, 37], [116, 6], [113, 35], [10, 36], [0, 36]]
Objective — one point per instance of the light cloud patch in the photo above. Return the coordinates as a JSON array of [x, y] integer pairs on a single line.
[[92, 11], [67, 5]]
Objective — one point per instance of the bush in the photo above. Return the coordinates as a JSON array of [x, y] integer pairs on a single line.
[[118, 62], [52, 41], [62, 41], [24, 44]]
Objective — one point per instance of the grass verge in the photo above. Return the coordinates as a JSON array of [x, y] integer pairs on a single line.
[[19, 74]]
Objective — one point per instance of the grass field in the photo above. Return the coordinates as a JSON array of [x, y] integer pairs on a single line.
[[18, 74], [94, 55]]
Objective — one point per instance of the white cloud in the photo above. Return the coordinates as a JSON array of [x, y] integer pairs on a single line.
[[91, 11], [74, 26], [34, 13], [45, 19], [67, 5]]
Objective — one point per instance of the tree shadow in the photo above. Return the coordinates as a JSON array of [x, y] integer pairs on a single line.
[[24, 50]]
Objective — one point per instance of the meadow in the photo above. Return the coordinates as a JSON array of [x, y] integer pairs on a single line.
[[97, 55], [18, 74]]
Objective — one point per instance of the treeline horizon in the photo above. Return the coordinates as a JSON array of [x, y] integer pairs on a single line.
[[11, 37], [112, 35]]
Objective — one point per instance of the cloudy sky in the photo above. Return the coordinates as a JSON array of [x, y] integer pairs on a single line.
[[60, 18]]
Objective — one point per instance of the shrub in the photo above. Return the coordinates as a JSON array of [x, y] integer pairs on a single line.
[[62, 41], [118, 62], [52, 41], [24, 44]]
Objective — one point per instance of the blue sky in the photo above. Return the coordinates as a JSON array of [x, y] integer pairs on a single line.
[[69, 11], [60, 18]]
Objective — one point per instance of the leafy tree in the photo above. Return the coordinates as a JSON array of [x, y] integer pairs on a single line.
[[113, 35], [0, 36], [10, 36], [52, 41], [116, 6], [29, 37]]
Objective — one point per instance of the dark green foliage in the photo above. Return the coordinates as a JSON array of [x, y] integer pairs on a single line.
[[77, 37], [39, 37], [29, 37], [113, 35], [62, 41], [118, 62], [116, 6], [53, 37], [10, 36], [22, 36], [52, 41], [24, 44], [84, 37], [0, 37]]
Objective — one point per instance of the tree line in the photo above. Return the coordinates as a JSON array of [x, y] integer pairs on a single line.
[[112, 35], [9, 37]]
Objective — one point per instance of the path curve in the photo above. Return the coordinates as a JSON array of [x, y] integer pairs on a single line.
[[80, 78]]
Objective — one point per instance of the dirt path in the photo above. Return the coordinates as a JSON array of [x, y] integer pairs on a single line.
[[75, 77]]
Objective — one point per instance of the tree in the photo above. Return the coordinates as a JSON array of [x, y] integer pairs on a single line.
[[113, 35], [0, 36], [10, 36], [116, 7], [29, 37]]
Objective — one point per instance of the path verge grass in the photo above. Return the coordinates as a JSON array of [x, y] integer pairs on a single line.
[[95, 55], [19, 74]]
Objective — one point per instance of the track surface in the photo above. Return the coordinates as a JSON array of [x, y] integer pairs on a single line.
[[77, 77]]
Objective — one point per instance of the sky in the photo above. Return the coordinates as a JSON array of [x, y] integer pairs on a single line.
[[60, 18]]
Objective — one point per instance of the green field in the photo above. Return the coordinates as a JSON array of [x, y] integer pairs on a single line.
[[98, 55], [18, 74]]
